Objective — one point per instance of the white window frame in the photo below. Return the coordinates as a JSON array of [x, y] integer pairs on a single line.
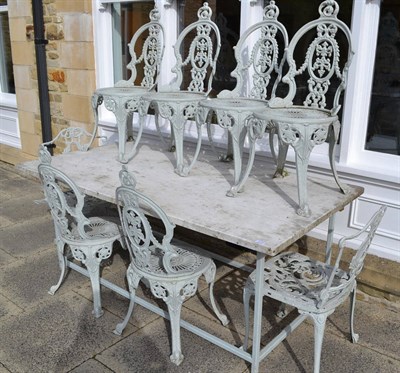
[[9, 128]]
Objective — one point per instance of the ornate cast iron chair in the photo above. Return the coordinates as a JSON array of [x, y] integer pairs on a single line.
[[313, 287], [177, 102], [90, 240], [171, 272], [123, 98], [258, 56], [308, 124]]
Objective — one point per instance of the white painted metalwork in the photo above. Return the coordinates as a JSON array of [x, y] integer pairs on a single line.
[[310, 124], [313, 287], [172, 272], [258, 54], [197, 48], [89, 240], [123, 99]]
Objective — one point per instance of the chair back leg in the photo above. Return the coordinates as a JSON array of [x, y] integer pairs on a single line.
[[354, 336], [210, 278], [133, 282], [62, 261]]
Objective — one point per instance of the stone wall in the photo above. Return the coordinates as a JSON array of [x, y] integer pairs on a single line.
[[70, 63]]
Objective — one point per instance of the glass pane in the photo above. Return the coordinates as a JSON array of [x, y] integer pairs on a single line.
[[127, 18], [6, 68], [383, 133], [226, 14]]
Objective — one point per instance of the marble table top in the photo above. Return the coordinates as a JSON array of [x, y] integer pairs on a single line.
[[262, 218]]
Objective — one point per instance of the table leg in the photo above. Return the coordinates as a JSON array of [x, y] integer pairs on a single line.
[[329, 239], [258, 305]]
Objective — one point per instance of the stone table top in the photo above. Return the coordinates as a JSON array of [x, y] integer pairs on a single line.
[[262, 218]]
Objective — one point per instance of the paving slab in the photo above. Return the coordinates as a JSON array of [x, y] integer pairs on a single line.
[[25, 209], [28, 280], [28, 238], [148, 350], [8, 308], [56, 336], [91, 366]]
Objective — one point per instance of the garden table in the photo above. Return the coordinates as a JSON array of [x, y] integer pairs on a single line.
[[263, 221]]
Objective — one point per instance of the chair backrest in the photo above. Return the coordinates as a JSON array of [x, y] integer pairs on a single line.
[[357, 262], [137, 229], [259, 57], [152, 36], [320, 68], [65, 201], [67, 140], [200, 56]]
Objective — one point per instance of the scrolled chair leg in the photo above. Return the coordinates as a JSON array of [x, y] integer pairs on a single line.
[[354, 336], [133, 282], [319, 321], [92, 263], [62, 261], [210, 278]]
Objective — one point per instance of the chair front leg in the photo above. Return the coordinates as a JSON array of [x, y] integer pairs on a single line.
[[319, 321], [210, 278], [92, 263], [173, 294], [354, 336], [133, 281], [62, 262]]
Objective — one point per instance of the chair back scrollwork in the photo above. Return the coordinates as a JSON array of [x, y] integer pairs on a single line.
[[200, 56], [259, 55], [321, 68], [137, 229], [151, 53], [66, 209]]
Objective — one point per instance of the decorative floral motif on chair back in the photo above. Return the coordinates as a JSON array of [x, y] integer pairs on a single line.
[[66, 209], [151, 54], [137, 230], [200, 56], [259, 56], [320, 68]]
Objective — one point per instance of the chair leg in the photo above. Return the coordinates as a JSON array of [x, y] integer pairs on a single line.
[[92, 263], [133, 282], [282, 310], [354, 336], [248, 292], [62, 261], [319, 328], [174, 302], [210, 278]]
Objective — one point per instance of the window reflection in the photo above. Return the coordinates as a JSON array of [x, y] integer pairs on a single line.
[[6, 70], [383, 133], [127, 18]]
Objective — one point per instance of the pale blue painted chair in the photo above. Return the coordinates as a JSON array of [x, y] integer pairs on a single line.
[[314, 288], [90, 239], [172, 272]]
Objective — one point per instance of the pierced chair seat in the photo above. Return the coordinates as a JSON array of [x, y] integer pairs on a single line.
[[124, 98], [297, 280], [171, 272], [313, 287], [90, 240]]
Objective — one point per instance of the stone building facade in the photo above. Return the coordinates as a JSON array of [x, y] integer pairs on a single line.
[[70, 65]]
